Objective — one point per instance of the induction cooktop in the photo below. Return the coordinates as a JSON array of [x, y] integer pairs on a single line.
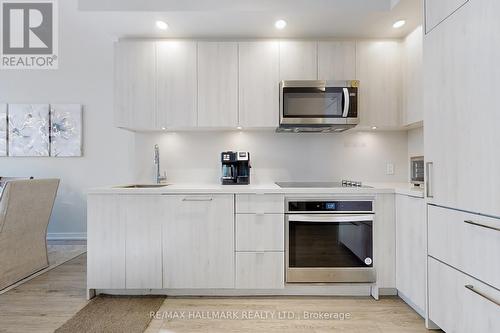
[[321, 184]]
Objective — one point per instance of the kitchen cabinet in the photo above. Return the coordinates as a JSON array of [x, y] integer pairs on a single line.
[[260, 270], [258, 84], [176, 84], [260, 232], [105, 243], [298, 60], [337, 60], [461, 116], [134, 89], [413, 89], [437, 11], [198, 242], [460, 303], [378, 68], [260, 203], [143, 217], [468, 242], [217, 84], [411, 250]]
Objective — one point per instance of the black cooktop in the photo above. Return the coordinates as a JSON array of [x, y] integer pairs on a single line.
[[317, 185]]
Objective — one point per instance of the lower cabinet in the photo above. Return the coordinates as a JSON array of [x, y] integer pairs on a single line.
[[198, 242], [143, 216], [461, 304], [260, 270], [411, 252]]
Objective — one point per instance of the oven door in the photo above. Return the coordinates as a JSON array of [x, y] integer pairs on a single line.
[[322, 248], [317, 103]]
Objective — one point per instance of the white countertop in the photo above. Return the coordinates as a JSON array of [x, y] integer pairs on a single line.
[[376, 188]]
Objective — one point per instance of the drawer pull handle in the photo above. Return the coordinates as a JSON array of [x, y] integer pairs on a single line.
[[197, 199], [481, 225], [471, 288]]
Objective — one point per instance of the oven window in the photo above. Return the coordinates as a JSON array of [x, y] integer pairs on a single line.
[[304, 103], [346, 244]]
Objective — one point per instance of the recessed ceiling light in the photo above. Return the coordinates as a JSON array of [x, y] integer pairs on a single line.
[[374, 127], [239, 128], [162, 25], [398, 24], [163, 128], [280, 24]]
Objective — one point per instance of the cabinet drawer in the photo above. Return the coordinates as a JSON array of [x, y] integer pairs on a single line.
[[260, 203], [454, 307], [260, 232], [468, 242], [260, 270]]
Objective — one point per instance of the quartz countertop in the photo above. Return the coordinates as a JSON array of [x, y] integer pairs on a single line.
[[204, 188]]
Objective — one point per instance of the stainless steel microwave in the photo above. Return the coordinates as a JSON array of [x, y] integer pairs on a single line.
[[318, 106]]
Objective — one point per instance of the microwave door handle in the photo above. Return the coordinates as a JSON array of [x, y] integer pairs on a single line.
[[346, 103]]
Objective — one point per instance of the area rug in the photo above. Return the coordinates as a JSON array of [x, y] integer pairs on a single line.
[[110, 314]]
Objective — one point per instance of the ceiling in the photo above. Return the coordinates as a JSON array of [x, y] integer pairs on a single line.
[[255, 18]]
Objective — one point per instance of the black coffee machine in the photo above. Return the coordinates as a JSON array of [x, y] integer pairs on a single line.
[[235, 167]]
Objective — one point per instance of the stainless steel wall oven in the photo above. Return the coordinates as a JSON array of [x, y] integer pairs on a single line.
[[329, 240]]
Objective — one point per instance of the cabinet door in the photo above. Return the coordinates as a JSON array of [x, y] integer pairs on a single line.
[[461, 116], [336, 60], [413, 86], [298, 60], [411, 250], [176, 84], [437, 11], [106, 242], [198, 242], [258, 84], [379, 74], [217, 84], [260, 270], [143, 217], [134, 104]]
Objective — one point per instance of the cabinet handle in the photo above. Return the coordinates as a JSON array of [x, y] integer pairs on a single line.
[[471, 288], [428, 183], [197, 199], [481, 225]]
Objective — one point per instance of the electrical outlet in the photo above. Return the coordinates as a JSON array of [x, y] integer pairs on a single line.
[[389, 169]]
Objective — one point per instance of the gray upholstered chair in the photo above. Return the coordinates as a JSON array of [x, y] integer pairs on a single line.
[[25, 209]]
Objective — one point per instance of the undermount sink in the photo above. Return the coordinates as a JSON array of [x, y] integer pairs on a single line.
[[143, 186]]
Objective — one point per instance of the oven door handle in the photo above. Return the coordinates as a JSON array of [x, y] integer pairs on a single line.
[[329, 218]]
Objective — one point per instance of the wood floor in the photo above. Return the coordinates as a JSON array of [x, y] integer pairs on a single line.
[[46, 302]]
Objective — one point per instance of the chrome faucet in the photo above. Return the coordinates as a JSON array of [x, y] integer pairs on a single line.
[[159, 178]]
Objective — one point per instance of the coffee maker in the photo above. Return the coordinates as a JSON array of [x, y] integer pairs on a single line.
[[235, 168]]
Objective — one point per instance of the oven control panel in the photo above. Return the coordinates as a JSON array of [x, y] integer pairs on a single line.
[[330, 206]]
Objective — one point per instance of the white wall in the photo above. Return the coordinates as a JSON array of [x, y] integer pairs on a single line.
[[84, 76], [195, 156]]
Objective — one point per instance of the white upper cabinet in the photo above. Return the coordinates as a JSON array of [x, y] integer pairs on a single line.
[[135, 85], [336, 60], [259, 84], [378, 65], [461, 103], [217, 84], [437, 11], [413, 94], [176, 84], [298, 60]]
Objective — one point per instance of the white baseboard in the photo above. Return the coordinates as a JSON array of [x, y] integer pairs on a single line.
[[67, 236]]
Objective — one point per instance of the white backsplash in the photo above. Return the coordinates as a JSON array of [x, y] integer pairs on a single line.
[[194, 157]]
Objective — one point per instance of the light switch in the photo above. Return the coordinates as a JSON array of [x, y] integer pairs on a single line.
[[390, 169]]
